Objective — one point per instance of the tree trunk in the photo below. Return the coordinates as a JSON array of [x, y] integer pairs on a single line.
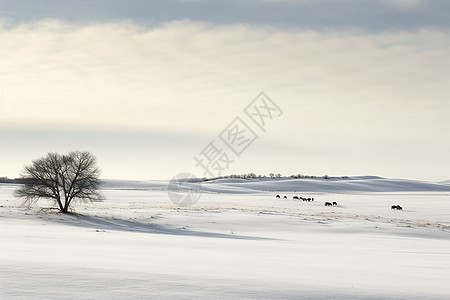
[[61, 207], [66, 207]]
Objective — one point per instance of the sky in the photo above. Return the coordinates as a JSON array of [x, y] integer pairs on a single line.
[[157, 88]]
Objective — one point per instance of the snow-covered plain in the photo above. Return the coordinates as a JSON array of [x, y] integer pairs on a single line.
[[237, 242]]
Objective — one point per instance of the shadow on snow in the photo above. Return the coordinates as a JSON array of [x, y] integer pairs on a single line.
[[114, 224]]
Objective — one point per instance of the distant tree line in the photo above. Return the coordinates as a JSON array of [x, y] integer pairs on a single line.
[[16, 180], [271, 175]]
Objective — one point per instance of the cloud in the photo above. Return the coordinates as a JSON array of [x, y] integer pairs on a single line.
[[369, 15], [340, 90], [406, 4], [123, 74]]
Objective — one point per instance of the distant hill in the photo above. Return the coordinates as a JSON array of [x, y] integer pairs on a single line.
[[318, 184], [283, 184]]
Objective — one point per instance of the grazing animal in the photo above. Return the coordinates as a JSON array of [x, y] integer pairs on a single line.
[[334, 203], [295, 197], [285, 197], [397, 207], [309, 199], [312, 199], [278, 197], [328, 204]]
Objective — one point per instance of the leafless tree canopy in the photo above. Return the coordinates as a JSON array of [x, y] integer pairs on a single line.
[[62, 178]]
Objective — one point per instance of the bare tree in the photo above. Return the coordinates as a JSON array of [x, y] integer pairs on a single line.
[[62, 178]]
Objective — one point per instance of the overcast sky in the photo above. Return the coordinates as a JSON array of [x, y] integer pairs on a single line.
[[360, 87]]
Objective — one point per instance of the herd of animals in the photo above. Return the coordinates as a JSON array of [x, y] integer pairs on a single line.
[[396, 207]]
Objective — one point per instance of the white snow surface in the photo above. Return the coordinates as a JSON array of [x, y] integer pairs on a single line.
[[237, 242], [332, 185]]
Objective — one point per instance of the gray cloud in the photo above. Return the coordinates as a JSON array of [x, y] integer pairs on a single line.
[[382, 96], [369, 15]]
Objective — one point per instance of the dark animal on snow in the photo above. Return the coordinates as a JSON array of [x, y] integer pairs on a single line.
[[328, 204], [394, 207], [295, 197], [334, 203], [399, 207], [278, 197], [285, 197]]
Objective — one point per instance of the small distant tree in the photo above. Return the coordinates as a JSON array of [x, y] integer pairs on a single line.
[[271, 175], [61, 178]]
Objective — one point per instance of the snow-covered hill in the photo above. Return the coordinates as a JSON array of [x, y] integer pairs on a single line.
[[332, 185]]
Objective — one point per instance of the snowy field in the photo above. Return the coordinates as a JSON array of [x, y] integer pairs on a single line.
[[237, 242]]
